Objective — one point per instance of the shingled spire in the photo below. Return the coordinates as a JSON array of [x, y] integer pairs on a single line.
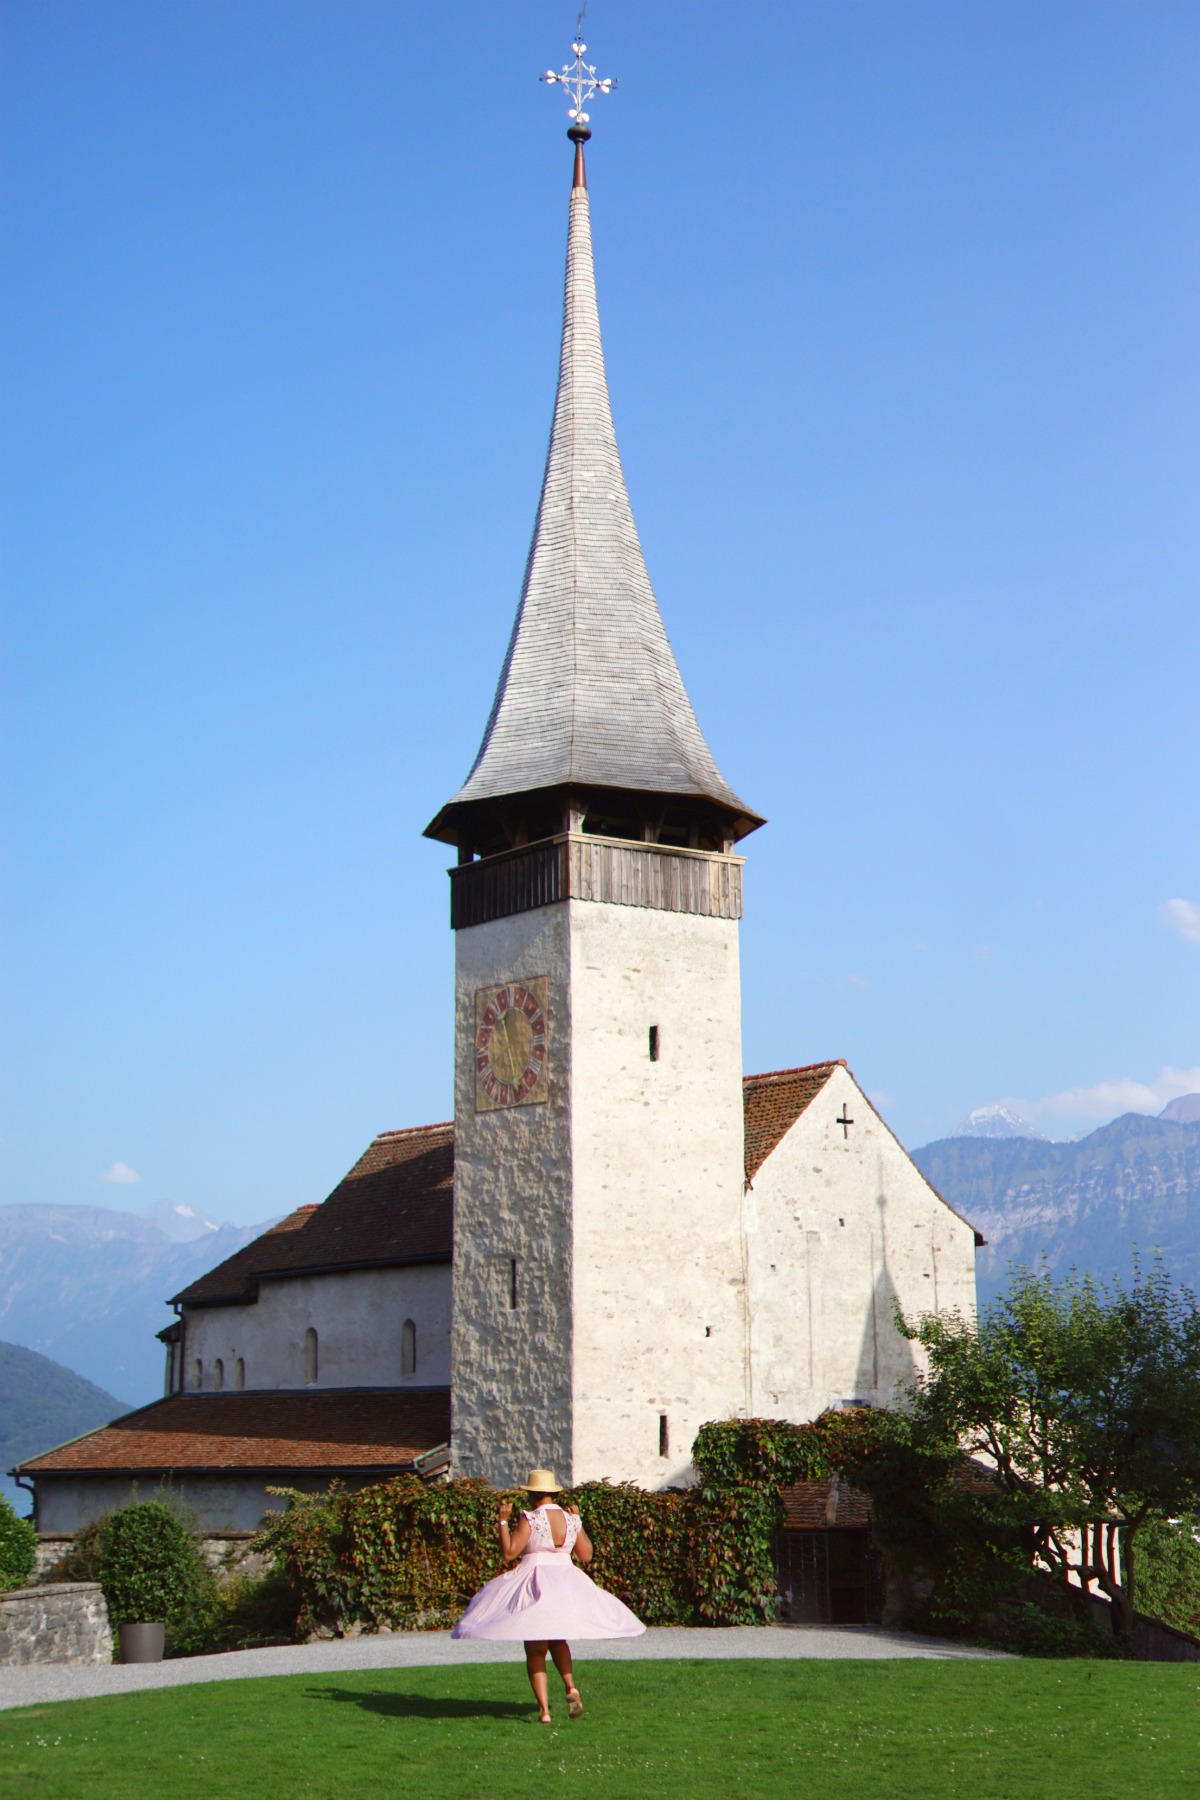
[[591, 723]]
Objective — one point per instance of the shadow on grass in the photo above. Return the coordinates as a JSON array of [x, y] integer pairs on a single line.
[[423, 1706]]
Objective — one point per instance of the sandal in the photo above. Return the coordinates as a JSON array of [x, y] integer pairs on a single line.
[[574, 1703]]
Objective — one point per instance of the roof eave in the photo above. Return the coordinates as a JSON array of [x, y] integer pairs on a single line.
[[249, 1293], [447, 825]]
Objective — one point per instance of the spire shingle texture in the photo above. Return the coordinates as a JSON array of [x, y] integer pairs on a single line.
[[589, 693]]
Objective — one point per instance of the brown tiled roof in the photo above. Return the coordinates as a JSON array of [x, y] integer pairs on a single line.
[[774, 1102], [820, 1505], [364, 1428], [396, 1205]]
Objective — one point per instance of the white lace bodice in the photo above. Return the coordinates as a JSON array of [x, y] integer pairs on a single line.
[[540, 1537]]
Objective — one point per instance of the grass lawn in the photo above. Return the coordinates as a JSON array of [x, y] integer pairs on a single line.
[[733, 1730]]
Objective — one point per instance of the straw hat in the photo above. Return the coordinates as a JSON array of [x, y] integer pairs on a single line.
[[541, 1481]]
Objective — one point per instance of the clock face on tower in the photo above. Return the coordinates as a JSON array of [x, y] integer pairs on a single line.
[[511, 1033]]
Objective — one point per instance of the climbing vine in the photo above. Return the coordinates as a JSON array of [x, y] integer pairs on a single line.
[[404, 1555]]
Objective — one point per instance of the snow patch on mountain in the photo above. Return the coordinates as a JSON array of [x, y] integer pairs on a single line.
[[998, 1122]]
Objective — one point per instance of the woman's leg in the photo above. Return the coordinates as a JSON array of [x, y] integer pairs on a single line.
[[560, 1650], [535, 1664]]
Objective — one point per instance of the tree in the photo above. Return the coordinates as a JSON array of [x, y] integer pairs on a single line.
[[1085, 1401]]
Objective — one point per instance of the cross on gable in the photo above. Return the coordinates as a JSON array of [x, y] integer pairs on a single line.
[[844, 1122]]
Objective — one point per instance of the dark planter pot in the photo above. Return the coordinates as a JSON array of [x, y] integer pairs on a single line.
[[141, 1643]]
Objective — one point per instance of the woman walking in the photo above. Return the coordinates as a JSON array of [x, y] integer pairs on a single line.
[[545, 1599]]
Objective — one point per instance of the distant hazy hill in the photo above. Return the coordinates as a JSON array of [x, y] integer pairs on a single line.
[[1085, 1204], [88, 1286], [41, 1405]]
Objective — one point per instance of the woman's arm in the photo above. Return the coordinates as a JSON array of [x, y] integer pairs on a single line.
[[583, 1544], [512, 1543]]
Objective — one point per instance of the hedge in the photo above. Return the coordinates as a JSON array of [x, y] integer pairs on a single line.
[[403, 1555], [18, 1548]]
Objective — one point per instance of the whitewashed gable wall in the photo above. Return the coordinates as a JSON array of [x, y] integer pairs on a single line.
[[839, 1225]]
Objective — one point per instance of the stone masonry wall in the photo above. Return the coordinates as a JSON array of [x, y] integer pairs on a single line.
[[63, 1622]]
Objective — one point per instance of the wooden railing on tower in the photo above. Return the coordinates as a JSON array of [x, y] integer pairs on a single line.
[[617, 870]]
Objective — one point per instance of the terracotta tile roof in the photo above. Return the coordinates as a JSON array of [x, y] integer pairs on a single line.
[[820, 1505], [774, 1102], [363, 1428], [396, 1205]]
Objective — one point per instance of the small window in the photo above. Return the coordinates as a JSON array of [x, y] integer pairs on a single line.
[[218, 1375], [654, 1043], [664, 1435], [512, 1284], [408, 1348], [310, 1355], [239, 1373], [197, 1374]]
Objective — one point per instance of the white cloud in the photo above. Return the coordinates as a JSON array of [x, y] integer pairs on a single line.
[[880, 1100], [1105, 1099], [1182, 916], [121, 1175]]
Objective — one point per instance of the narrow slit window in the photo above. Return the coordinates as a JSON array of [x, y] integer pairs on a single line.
[[310, 1356], [218, 1374], [408, 1348], [197, 1374], [664, 1435], [512, 1284], [239, 1373], [654, 1043]]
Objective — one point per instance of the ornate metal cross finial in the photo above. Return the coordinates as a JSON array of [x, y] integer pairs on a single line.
[[580, 79]]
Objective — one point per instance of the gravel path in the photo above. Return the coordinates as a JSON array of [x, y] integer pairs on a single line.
[[424, 1649]]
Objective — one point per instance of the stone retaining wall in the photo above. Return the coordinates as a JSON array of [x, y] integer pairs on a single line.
[[60, 1622], [228, 1550]]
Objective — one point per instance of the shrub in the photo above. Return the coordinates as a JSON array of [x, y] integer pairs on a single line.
[[18, 1548], [246, 1612], [151, 1568], [1033, 1631]]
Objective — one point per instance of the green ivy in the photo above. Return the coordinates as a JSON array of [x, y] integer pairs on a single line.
[[18, 1548], [404, 1555]]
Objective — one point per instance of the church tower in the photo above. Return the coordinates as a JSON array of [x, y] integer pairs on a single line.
[[599, 1280]]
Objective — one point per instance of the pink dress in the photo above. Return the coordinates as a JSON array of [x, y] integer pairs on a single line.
[[546, 1596]]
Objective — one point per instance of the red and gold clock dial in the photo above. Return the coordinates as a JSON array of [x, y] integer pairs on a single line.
[[511, 1041]]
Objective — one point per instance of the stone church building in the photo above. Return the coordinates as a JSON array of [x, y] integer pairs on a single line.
[[619, 1236]]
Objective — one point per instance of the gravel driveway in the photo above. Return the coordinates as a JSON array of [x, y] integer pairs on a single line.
[[425, 1649]]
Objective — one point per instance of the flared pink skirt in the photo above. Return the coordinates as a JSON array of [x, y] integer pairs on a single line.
[[546, 1596]]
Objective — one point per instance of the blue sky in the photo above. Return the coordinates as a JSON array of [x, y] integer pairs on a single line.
[[899, 305]]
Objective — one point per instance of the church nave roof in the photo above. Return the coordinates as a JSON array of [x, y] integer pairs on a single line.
[[395, 1205]]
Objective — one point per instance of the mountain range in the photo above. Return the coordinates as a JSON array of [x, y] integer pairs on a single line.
[[41, 1405], [88, 1285], [1133, 1185]]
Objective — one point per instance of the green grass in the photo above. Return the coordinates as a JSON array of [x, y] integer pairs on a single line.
[[733, 1730]]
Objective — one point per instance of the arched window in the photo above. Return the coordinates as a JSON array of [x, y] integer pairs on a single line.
[[310, 1355], [408, 1348], [197, 1374], [218, 1374], [239, 1373]]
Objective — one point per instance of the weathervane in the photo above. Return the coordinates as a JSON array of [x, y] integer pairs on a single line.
[[579, 78]]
